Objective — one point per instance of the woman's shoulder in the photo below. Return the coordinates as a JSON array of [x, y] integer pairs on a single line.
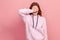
[[42, 18]]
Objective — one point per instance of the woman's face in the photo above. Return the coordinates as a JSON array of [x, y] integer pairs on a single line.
[[35, 10]]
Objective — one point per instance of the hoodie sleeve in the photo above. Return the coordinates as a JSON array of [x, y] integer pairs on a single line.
[[45, 29], [24, 12], [35, 34]]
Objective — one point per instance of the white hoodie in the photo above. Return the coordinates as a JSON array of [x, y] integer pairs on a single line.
[[38, 33]]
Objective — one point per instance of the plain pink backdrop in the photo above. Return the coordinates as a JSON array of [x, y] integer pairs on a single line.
[[12, 26]]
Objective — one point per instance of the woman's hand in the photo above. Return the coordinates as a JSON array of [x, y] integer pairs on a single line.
[[34, 11]]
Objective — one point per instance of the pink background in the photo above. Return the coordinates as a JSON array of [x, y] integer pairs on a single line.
[[12, 26]]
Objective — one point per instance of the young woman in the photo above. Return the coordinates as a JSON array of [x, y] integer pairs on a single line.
[[35, 23]]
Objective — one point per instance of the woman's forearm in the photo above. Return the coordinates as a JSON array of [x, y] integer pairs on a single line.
[[25, 11], [35, 33]]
